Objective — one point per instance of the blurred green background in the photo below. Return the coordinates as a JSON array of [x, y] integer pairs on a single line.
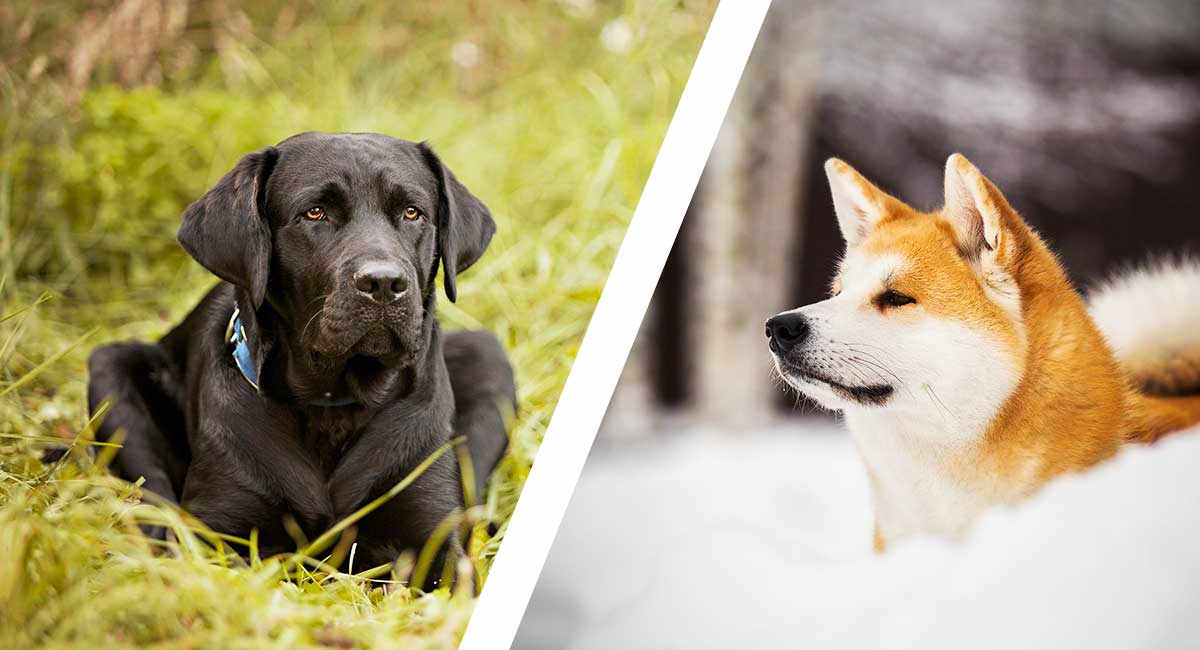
[[115, 115]]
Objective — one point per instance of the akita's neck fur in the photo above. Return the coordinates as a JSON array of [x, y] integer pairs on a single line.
[[999, 378]]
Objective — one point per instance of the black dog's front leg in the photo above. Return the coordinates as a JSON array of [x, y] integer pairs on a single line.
[[251, 445], [394, 446], [408, 521]]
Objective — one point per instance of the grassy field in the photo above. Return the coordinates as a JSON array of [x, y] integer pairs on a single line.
[[113, 119]]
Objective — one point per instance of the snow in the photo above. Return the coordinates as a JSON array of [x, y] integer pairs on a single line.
[[697, 539]]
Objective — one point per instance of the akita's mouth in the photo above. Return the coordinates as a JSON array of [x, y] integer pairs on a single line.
[[872, 394]]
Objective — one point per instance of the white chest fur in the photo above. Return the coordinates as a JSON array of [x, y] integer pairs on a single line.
[[912, 487]]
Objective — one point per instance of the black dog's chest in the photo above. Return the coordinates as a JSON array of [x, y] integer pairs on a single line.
[[329, 434]]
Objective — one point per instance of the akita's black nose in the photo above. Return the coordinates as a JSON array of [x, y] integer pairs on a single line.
[[787, 330]]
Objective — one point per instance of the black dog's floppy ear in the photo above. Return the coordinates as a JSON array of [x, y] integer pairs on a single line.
[[464, 224], [226, 230]]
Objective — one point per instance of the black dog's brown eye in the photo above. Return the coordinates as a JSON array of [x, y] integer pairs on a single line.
[[891, 298], [411, 213], [315, 213]]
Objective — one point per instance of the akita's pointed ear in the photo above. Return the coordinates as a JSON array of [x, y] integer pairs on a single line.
[[974, 207], [859, 204]]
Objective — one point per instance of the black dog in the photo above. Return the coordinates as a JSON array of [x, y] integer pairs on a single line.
[[315, 377]]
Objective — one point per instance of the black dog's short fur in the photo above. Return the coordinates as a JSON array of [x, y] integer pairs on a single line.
[[357, 384]]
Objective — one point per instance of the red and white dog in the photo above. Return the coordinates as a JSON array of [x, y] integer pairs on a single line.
[[968, 369]]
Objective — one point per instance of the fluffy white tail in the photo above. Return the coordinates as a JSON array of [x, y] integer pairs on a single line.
[[1151, 318]]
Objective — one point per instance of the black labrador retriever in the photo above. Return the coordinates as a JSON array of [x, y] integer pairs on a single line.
[[315, 377]]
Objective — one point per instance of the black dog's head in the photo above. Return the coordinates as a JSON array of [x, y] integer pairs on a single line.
[[340, 234]]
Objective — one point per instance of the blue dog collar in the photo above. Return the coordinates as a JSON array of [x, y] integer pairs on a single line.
[[235, 337]]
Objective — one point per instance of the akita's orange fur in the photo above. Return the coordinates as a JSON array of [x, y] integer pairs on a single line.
[[1074, 404]]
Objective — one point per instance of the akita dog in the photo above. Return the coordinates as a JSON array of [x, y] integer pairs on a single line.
[[967, 367]]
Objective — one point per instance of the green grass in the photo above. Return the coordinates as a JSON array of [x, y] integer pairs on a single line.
[[556, 132]]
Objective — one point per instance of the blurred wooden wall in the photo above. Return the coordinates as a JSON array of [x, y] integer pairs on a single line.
[[701, 350]]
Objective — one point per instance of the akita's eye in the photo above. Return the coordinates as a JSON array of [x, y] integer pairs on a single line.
[[891, 298], [315, 213]]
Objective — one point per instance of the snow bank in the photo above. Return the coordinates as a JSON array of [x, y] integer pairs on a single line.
[[711, 542]]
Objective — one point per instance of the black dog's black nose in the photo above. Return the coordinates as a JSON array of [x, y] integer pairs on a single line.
[[381, 281], [787, 330]]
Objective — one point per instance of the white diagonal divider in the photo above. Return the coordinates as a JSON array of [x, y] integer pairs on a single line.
[[614, 325]]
